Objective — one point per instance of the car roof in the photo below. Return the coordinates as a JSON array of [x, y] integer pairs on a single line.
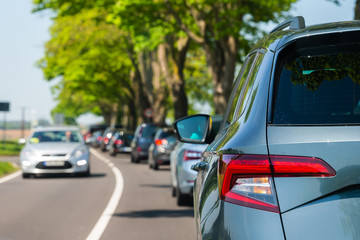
[[278, 38], [56, 128]]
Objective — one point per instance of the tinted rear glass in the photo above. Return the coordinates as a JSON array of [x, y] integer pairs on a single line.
[[148, 132], [318, 85]]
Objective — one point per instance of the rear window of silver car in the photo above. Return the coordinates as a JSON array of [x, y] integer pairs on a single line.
[[318, 85]]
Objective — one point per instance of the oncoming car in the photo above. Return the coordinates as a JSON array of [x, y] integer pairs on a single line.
[[285, 163], [59, 149]]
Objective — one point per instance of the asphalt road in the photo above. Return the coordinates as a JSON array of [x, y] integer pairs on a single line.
[[69, 207]]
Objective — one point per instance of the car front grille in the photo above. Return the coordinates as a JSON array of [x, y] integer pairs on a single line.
[[54, 155], [42, 165]]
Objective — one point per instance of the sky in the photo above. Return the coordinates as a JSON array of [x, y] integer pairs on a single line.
[[24, 34]]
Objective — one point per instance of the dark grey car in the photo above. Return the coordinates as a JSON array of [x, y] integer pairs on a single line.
[[285, 164], [161, 147], [144, 134]]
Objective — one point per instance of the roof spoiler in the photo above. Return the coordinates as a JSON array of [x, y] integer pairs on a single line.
[[294, 23]]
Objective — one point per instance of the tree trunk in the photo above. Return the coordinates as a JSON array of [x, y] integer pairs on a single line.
[[221, 58], [155, 85], [175, 75], [357, 10]]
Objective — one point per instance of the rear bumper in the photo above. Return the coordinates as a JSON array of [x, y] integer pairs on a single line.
[[334, 217]]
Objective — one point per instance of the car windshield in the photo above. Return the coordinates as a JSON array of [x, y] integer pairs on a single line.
[[148, 132], [319, 86], [54, 136]]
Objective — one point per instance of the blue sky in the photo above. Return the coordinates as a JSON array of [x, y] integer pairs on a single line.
[[24, 34]]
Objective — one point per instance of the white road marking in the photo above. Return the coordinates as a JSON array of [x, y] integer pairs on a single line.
[[9, 177], [105, 217]]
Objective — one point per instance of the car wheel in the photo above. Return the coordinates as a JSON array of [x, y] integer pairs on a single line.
[[85, 174], [173, 191], [26, 175], [156, 165], [113, 153], [181, 199]]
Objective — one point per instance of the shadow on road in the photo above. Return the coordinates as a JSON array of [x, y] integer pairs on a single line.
[[157, 213], [156, 185], [59, 175]]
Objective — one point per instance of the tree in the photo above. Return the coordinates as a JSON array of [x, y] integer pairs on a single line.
[[87, 54], [222, 29], [152, 30]]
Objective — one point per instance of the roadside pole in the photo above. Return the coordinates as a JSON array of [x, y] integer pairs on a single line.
[[4, 107]]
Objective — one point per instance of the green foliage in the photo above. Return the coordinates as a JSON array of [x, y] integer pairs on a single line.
[[198, 80], [6, 168], [10, 148], [88, 55]]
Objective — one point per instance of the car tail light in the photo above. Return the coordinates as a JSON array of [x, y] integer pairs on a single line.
[[138, 149], [247, 180], [118, 142], [191, 155], [106, 140], [159, 142], [98, 139]]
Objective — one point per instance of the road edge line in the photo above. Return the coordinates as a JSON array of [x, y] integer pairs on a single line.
[[105, 217], [9, 177]]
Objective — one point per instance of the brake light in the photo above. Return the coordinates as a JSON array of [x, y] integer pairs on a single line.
[[159, 142], [106, 140], [247, 180], [191, 155], [118, 142], [292, 166]]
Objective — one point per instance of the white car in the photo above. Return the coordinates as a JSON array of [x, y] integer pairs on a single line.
[[182, 176], [59, 149]]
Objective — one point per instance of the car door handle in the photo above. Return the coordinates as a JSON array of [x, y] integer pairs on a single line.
[[199, 166]]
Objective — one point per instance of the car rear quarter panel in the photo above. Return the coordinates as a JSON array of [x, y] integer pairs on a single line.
[[336, 145], [217, 219], [334, 217]]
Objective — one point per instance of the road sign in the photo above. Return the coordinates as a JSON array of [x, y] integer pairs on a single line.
[[148, 113], [4, 106]]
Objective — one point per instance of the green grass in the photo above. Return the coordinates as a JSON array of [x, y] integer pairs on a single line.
[[10, 148], [7, 168]]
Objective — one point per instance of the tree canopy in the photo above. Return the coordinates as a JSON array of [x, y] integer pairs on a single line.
[[116, 58]]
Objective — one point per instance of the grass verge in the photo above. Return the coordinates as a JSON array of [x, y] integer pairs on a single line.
[[7, 168], [10, 148]]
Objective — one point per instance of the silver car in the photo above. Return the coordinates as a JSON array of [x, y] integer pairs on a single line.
[[285, 163], [182, 176], [59, 149]]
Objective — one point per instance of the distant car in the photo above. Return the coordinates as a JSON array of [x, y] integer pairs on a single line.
[[121, 142], [51, 150], [161, 147], [89, 135], [107, 135], [182, 158], [144, 134], [182, 177], [97, 135]]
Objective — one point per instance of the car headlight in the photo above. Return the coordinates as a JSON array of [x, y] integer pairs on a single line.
[[79, 152], [26, 153]]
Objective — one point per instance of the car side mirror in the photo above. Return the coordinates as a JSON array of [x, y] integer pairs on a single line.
[[193, 129], [22, 141]]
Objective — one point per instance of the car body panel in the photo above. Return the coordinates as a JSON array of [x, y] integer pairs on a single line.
[[333, 217], [336, 145]]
